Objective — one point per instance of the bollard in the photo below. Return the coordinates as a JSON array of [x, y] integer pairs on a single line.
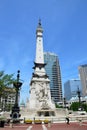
[[80, 122], [49, 124], [11, 124], [33, 122], [42, 122]]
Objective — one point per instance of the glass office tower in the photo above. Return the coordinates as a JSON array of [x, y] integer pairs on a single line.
[[53, 71], [83, 77], [71, 87]]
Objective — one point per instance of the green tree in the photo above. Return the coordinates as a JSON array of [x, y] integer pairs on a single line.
[[6, 80], [58, 106], [75, 106], [84, 106]]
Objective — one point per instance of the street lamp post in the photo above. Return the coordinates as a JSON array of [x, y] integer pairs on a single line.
[[15, 109], [79, 96], [64, 102]]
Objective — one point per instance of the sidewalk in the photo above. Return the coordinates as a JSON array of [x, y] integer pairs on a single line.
[[55, 126]]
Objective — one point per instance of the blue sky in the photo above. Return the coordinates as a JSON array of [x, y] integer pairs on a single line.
[[65, 33]]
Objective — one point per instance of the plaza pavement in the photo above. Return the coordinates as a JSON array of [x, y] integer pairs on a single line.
[[54, 126]]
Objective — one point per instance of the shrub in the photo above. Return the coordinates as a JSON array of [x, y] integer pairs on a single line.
[[46, 121], [37, 121], [28, 121]]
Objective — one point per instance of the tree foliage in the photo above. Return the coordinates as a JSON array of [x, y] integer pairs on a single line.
[[75, 106], [58, 106], [84, 105], [6, 80]]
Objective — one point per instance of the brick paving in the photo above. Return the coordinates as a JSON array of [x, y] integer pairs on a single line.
[[55, 126], [71, 126]]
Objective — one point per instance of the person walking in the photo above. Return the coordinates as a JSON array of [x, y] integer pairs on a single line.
[[67, 119]]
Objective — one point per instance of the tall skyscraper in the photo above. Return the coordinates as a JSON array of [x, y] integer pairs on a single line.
[[83, 77], [53, 71], [71, 88]]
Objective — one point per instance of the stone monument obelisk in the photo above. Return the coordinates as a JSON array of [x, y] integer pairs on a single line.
[[40, 97]]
